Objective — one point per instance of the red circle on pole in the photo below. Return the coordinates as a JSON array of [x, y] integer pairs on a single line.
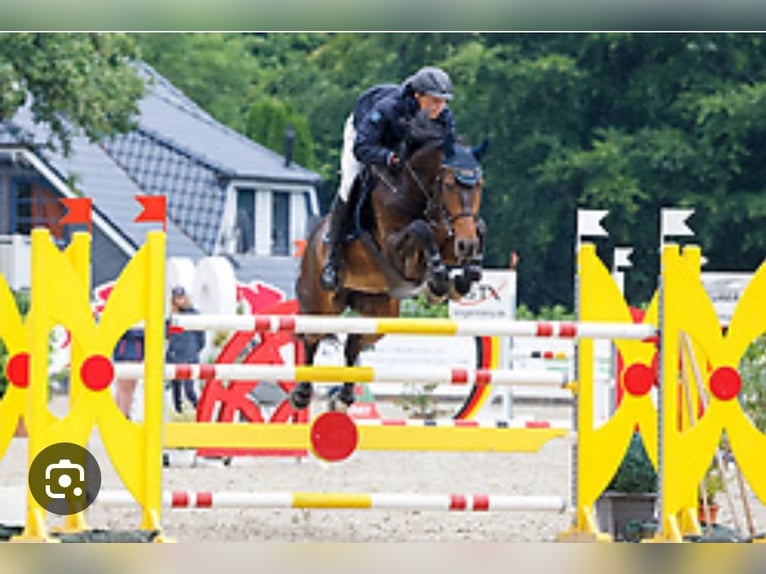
[[17, 370], [725, 383], [97, 372], [639, 379], [334, 436]]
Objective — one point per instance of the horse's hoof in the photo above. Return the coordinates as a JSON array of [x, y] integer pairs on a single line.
[[347, 397], [300, 396], [462, 284], [440, 273], [473, 273], [438, 288]]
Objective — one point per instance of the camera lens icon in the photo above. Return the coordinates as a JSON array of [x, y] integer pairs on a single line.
[[64, 478]]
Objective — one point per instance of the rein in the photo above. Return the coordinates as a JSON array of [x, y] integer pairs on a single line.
[[436, 211]]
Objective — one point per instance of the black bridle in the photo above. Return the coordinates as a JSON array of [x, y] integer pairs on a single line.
[[436, 209]]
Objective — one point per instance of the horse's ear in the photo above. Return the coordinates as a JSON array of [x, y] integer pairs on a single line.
[[479, 150]]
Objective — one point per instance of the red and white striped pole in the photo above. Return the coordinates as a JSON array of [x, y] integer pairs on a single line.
[[320, 324], [350, 501], [333, 374]]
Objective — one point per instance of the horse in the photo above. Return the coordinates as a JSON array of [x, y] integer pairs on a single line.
[[415, 224]]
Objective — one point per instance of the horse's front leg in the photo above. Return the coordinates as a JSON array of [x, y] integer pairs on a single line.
[[418, 239], [300, 396], [347, 395], [471, 268]]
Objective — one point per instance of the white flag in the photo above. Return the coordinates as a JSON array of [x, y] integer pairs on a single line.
[[589, 222], [673, 222], [622, 257]]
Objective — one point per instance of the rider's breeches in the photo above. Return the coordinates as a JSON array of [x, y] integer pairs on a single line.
[[350, 167]]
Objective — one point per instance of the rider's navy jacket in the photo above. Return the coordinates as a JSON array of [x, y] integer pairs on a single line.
[[380, 118]]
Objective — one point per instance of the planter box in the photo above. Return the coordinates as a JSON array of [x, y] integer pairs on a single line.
[[614, 510]]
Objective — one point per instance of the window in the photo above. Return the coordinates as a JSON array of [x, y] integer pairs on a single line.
[[245, 221], [280, 223], [34, 205], [266, 221]]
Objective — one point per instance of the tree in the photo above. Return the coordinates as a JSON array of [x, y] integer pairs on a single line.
[[625, 122], [215, 70], [76, 82], [267, 121]]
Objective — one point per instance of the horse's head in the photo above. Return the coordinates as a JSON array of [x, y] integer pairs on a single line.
[[461, 184]]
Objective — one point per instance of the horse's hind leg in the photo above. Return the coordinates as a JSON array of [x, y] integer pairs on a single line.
[[300, 396]]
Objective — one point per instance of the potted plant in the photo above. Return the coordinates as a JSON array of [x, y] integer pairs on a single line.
[[419, 402], [628, 504], [712, 484]]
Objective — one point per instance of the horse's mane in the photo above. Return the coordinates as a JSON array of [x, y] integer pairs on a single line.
[[424, 135]]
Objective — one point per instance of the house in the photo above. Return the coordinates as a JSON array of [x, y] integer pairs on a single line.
[[226, 194]]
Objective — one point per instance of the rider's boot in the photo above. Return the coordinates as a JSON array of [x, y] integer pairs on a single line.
[[329, 276]]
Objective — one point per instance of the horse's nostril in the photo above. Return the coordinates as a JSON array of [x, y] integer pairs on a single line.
[[466, 247]]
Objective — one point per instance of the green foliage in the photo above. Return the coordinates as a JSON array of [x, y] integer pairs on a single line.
[[752, 370], [267, 121], [83, 81], [713, 483], [215, 70], [552, 313], [635, 473], [420, 306], [618, 121], [418, 401], [22, 304]]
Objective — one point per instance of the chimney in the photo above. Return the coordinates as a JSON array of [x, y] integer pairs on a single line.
[[289, 138]]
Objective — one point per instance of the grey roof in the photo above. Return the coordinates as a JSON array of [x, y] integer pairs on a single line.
[[195, 196], [169, 112], [177, 150], [98, 176]]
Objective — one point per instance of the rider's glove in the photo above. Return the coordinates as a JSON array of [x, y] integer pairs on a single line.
[[392, 160]]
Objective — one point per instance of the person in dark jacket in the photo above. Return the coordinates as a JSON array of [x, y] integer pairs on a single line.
[[183, 347], [372, 135], [129, 348]]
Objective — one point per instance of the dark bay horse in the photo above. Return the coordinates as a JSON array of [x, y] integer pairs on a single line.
[[420, 221]]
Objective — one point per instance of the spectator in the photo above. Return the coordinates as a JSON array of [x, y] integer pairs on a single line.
[[183, 347], [129, 348]]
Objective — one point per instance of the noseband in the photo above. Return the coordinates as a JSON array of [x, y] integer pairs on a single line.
[[436, 212]]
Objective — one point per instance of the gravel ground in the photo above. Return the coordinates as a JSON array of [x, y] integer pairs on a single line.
[[544, 473]]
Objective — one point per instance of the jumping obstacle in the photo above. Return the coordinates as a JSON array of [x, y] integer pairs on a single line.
[[332, 374], [204, 500], [321, 324], [135, 447]]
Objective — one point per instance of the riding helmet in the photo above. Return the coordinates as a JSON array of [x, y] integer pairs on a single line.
[[432, 81]]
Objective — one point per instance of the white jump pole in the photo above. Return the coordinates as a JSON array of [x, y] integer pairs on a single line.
[[332, 374], [319, 324], [350, 501]]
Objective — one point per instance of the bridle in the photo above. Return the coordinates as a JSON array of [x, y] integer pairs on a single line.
[[436, 210]]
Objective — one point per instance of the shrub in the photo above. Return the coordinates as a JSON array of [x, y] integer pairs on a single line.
[[636, 472]]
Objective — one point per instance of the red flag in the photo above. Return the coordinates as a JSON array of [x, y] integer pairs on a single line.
[[78, 210], [154, 209]]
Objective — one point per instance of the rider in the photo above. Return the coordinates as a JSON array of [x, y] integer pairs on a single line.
[[372, 135]]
